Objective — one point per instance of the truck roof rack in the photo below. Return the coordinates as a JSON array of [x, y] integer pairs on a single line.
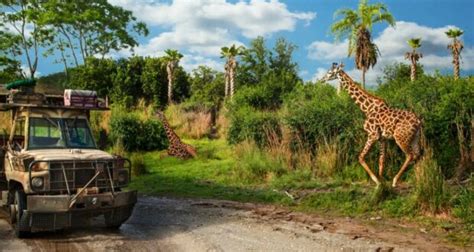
[[10, 106]]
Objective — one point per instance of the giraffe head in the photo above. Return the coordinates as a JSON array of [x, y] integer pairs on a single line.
[[333, 72]]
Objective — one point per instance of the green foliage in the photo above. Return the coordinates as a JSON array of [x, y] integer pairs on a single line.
[[256, 164], [249, 124], [136, 134], [463, 205], [126, 81], [272, 74], [207, 88], [96, 75], [430, 189], [138, 164], [96, 28]]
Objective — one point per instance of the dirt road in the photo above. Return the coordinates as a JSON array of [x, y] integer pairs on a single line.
[[161, 224]]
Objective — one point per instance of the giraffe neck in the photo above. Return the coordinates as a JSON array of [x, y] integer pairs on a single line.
[[366, 101], [172, 137]]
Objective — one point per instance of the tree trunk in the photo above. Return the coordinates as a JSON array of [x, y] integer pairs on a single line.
[[231, 75], [226, 79], [363, 77], [213, 123], [466, 162], [456, 65], [413, 71], [169, 70]]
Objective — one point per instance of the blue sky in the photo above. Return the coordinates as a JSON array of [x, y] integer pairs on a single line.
[[198, 28]]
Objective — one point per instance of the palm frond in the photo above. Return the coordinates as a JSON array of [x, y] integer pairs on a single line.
[[414, 42]]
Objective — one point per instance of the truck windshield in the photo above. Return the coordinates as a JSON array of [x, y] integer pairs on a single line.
[[59, 133]]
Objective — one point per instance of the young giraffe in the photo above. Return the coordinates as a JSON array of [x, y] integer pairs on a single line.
[[176, 148], [382, 122]]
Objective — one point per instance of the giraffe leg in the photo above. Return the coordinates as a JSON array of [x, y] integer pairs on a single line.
[[368, 145], [408, 159], [382, 157], [407, 141]]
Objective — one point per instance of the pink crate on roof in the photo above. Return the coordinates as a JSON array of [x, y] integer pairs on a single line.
[[80, 98]]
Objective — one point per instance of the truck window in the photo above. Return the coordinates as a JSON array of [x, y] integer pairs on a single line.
[[45, 133], [78, 134], [19, 134], [60, 133]]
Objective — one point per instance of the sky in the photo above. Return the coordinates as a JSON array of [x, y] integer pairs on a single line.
[[199, 28]]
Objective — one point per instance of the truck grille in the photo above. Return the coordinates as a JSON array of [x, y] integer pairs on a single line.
[[78, 173]]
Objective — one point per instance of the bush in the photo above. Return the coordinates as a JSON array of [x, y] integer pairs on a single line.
[[136, 134], [430, 192], [138, 164], [256, 164], [315, 113], [249, 124]]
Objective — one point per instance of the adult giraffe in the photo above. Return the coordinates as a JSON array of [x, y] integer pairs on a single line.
[[382, 122]]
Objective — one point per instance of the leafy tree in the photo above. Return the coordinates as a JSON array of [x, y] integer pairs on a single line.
[[9, 51], [172, 59], [154, 81], [456, 47], [97, 74], [206, 87], [127, 83], [357, 26], [95, 28], [413, 56], [30, 33], [230, 53], [254, 63]]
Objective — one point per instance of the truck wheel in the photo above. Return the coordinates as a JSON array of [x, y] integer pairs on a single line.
[[111, 222], [114, 219], [16, 212]]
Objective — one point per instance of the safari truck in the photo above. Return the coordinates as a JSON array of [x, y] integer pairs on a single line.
[[52, 175]]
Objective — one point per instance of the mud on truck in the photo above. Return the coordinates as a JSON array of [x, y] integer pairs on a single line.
[[52, 175]]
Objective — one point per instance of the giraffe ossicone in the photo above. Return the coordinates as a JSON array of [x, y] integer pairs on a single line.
[[382, 123]]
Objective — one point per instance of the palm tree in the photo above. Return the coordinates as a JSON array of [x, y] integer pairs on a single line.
[[456, 48], [171, 58], [413, 56], [357, 26], [231, 54]]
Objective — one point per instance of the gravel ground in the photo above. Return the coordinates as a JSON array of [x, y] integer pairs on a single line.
[[163, 224]]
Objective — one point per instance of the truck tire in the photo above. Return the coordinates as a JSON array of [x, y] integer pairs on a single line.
[[115, 218], [19, 204]]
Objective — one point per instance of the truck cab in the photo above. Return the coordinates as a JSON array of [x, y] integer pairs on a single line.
[[52, 175]]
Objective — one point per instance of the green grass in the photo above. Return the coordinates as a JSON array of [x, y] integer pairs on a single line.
[[211, 175], [218, 173]]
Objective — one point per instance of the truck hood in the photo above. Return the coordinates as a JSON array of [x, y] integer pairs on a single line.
[[68, 154]]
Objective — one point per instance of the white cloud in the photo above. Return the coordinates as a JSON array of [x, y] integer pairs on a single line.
[[392, 43], [202, 27], [327, 51]]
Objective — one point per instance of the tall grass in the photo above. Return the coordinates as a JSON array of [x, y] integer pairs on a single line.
[[255, 164], [326, 159], [192, 124], [430, 189]]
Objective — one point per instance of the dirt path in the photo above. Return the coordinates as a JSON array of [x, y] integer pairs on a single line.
[[161, 224]]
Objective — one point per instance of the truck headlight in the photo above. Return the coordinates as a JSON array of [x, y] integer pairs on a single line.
[[123, 178], [37, 182]]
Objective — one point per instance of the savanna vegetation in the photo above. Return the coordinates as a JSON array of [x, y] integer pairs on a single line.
[[262, 133]]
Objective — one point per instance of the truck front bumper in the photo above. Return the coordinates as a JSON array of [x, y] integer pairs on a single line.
[[51, 212]]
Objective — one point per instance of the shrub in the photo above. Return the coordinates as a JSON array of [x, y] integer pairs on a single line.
[[136, 134], [193, 124], [138, 164], [430, 192], [326, 159], [256, 164], [249, 124]]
